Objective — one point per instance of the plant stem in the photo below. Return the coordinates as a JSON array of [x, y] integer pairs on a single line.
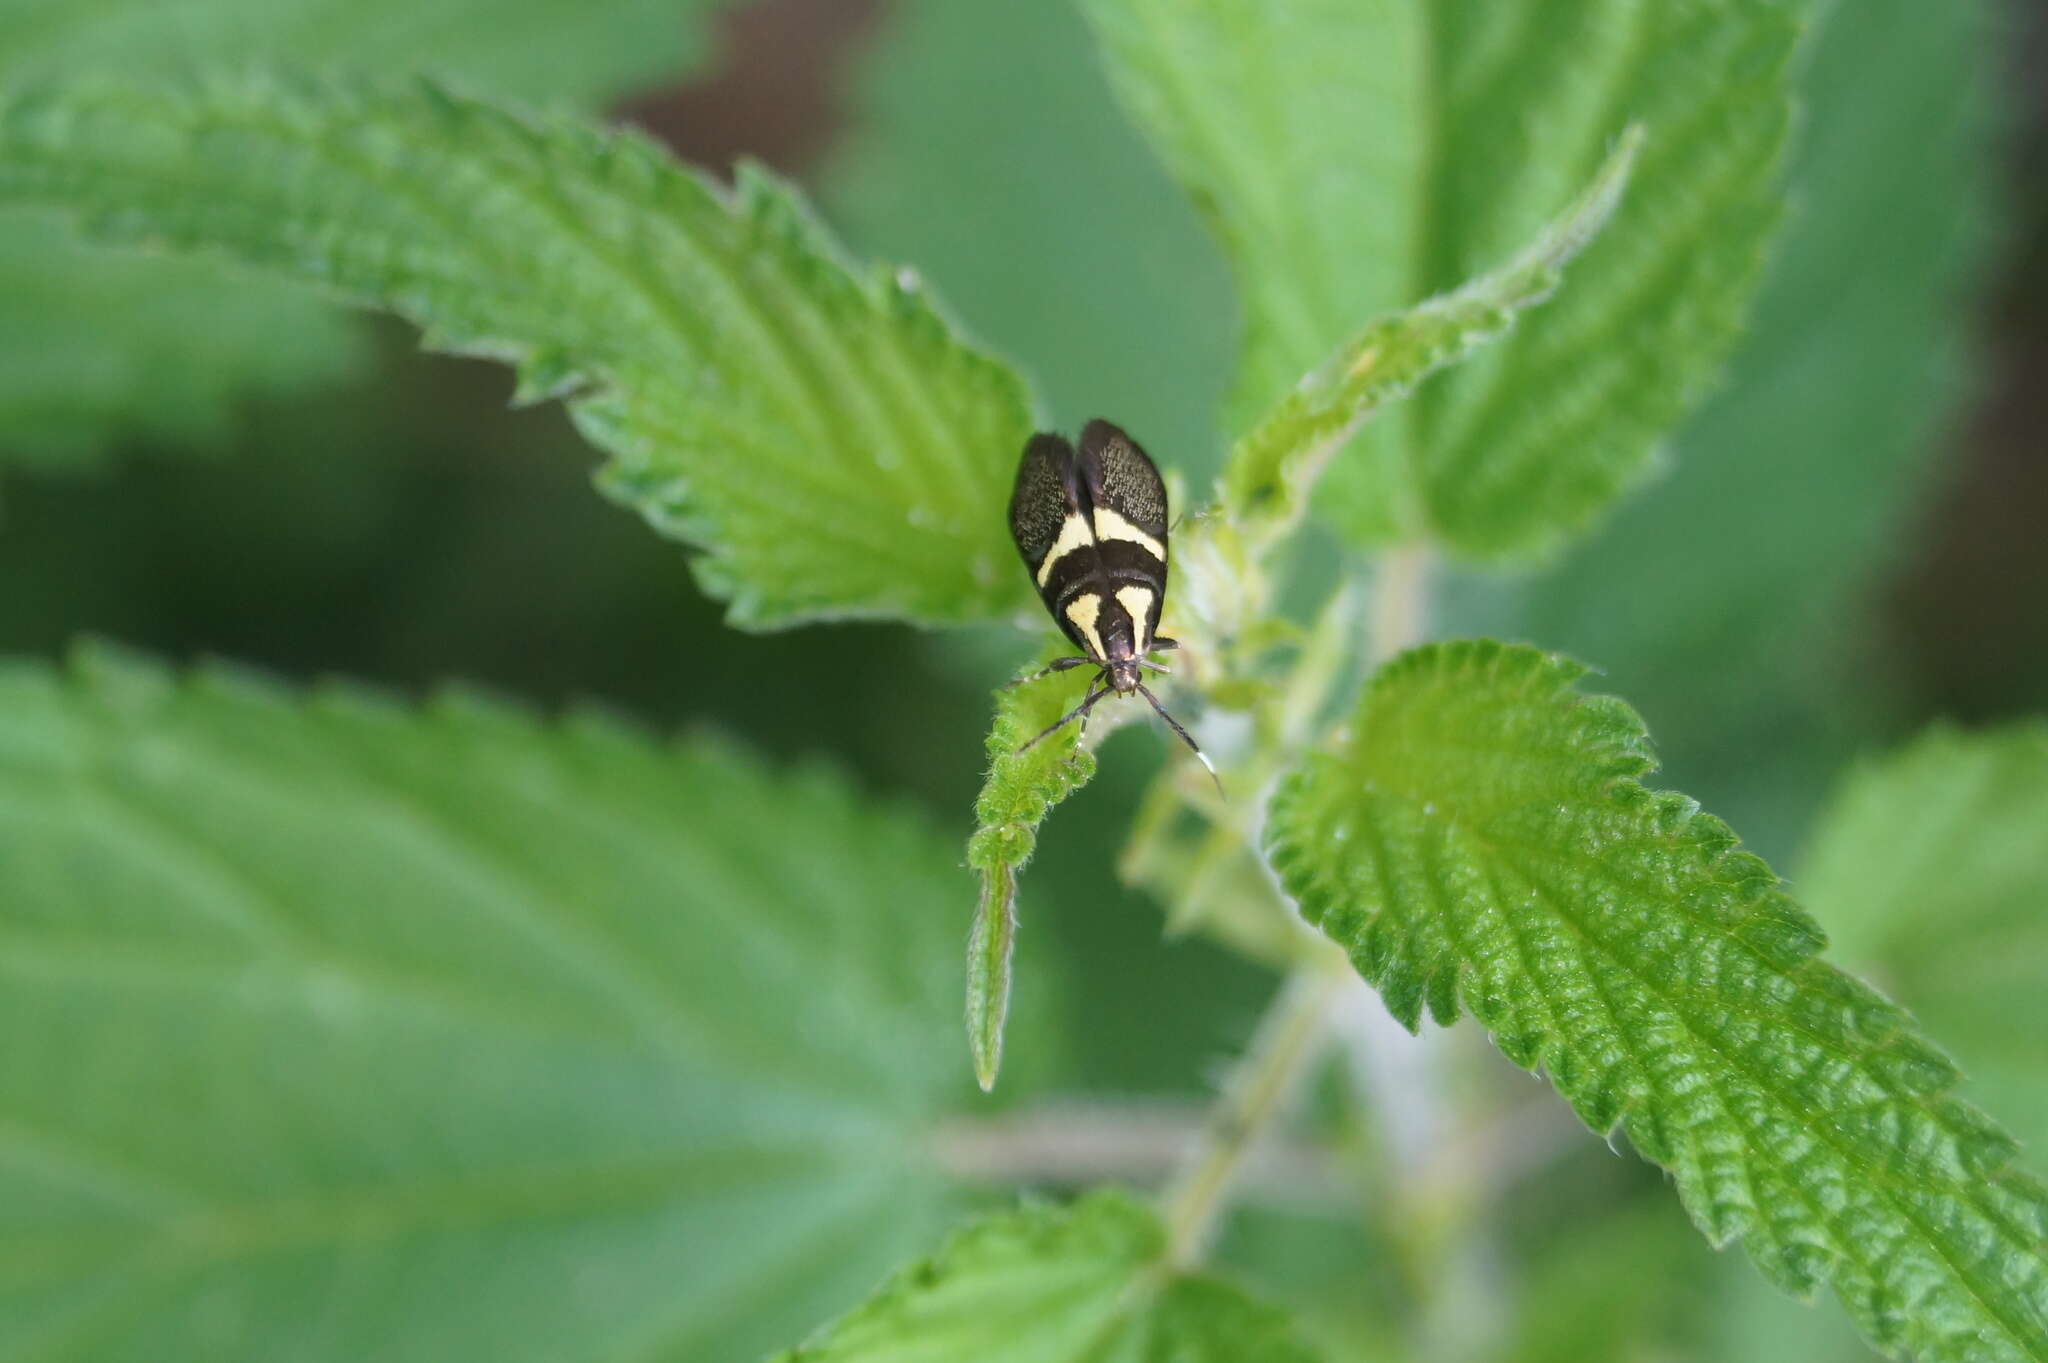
[[1400, 600], [1287, 1040], [1083, 1140], [1289, 1036]]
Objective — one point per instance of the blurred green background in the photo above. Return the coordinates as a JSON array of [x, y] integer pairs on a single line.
[[350, 507]]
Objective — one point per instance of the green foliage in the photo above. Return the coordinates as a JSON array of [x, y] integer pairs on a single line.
[[1266, 483], [822, 434], [1788, 492], [1274, 467], [460, 1034], [1481, 838], [1268, 479], [94, 345], [425, 1034], [1077, 1284], [1931, 868], [1021, 789], [1305, 132]]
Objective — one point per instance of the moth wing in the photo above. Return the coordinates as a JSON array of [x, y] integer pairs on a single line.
[[1129, 514], [1119, 475], [1045, 495]]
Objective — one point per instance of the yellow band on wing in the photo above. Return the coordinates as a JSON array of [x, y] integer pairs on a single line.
[[1111, 526], [1073, 535], [1083, 610], [1138, 601]]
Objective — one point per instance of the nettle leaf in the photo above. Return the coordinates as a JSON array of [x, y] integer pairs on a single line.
[[1356, 159], [1931, 868], [459, 1035], [1020, 790], [1075, 1284], [822, 434], [1792, 487], [1481, 837], [1274, 467], [96, 346]]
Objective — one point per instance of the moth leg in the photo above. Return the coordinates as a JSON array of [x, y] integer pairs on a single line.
[[1160, 646], [1174, 724], [1102, 681], [1080, 712], [1056, 665]]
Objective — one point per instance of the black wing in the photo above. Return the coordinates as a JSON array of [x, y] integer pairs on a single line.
[[1045, 496], [1118, 477], [1121, 476]]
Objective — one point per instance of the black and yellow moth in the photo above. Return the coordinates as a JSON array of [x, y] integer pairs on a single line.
[[1091, 526]]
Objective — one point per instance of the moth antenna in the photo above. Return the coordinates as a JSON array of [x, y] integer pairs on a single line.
[[1193, 747], [1078, 712]]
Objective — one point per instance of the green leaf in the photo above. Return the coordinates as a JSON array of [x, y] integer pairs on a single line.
[[822, 434], [1791, 490], [1021, 788], [1076, 1284], [96, 346], [1275, 466], [1481, 837], [1356, 159], [442, 1034], [1930, 867]]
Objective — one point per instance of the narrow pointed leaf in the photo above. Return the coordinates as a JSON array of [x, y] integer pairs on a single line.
[[1275, 466], [1480, 838], [340, 1026], [820, 433], [1930, 867], [1075, 1284], [1021, 788], [97, 346], [1356, 159]]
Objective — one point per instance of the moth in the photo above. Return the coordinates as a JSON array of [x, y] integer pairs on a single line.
[[1090, 524]]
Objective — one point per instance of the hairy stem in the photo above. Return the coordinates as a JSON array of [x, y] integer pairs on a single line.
[[1288, 1038], [1082, 1140], [1400, 601], [1435, 1203]]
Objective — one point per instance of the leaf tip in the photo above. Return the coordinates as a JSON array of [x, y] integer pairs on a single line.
[[989, 947], [986, 1063], [1585, 218]]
